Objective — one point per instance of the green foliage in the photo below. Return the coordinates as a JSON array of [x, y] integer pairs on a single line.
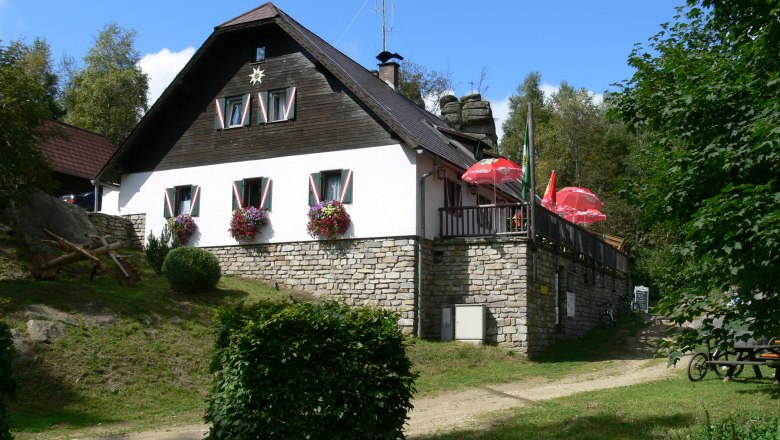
[[310, 371], [704, 99], [7, 382], [416, 83], [108, 96], [23, 105], [157, 248], [191, 269]]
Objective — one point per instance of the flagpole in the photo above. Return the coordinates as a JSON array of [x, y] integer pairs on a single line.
[[532, 198]]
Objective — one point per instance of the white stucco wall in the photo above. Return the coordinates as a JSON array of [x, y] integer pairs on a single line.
[[384, 194]]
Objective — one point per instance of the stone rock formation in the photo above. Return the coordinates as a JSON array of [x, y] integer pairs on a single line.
[[471, 115]]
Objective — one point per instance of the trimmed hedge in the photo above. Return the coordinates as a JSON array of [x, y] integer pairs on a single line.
[[309, 371], [7, 383], [191, 269]]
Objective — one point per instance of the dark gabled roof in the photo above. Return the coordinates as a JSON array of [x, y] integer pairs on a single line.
[[74, 151], [415, 126]]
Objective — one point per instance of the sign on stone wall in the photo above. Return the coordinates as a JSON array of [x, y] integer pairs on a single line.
[[570, 304], [642, 298]]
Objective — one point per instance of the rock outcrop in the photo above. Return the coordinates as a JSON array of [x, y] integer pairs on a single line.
[[471, 115]]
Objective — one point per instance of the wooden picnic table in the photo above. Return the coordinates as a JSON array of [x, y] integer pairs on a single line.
[[754, 355]]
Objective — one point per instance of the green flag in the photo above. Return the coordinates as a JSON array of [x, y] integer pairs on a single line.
[[526, 182]]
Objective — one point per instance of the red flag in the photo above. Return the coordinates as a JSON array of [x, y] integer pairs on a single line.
[[548, 201]]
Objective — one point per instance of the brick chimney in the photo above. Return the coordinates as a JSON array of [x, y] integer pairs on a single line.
[[389, 71]]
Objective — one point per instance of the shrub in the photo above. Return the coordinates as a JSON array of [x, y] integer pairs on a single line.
[[191, 269], [7, 383], [157, 248], [309, 371]]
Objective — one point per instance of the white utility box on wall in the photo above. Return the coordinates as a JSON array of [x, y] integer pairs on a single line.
[[470, 322], [446, 324]]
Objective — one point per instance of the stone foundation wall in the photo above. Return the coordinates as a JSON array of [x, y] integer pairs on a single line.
[[489, 271], [123, 229], [370, 272], [591, 287]]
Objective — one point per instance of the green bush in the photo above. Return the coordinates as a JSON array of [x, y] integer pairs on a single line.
[[191, 269], [7, 383], [157, 248], [309, 371]]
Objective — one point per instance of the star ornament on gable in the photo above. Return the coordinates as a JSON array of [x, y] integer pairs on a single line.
[[257, 76]]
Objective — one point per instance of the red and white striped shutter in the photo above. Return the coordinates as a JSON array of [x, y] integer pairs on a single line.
[[314, 189], [246, 108], [170, 197], [238, 194], [195, 205], [265, 190], [219, 116], [262, 105], [346, 186], [289, 108]]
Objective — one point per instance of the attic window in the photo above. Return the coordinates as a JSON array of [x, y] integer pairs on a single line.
[[260, 54], [235, 111]]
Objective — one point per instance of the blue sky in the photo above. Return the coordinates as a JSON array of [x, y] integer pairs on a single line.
[[585, 43]]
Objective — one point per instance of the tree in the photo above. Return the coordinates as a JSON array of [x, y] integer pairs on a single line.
[[706, 97], [422, 86], [514, 126], [36, 60], [108, 95], [23, 105]]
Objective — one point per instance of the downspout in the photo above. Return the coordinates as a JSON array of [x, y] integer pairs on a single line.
[[422, 240]]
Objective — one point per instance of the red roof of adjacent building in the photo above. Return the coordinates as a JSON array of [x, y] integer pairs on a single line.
[[74, 151]]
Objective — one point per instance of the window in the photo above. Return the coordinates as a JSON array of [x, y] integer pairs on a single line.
[[276, 105], [452, 196], [182, 200], [232, 112], [330, 185], [252, 192], [260, 54]]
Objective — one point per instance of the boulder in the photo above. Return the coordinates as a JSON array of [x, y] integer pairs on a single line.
[[40, 311], [45, 331], [446, 99], [46, 212], [471, 97]]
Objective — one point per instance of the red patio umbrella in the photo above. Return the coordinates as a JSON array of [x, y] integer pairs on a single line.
[[549, 199], [493, 171], [578, 198], [585, 217]]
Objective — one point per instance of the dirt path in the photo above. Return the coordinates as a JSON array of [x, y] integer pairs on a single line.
[[463, 409]]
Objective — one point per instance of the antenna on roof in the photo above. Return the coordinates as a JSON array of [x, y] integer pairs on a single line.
[[384, 22]]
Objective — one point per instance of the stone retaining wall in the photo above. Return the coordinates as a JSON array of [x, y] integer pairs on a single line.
[[124, 229], [369, 272]]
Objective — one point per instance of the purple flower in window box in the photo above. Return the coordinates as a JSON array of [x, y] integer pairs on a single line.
[[246, 222], [328, 219]]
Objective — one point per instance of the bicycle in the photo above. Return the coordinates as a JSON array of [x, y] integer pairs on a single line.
[[608, 318], [698, 367]]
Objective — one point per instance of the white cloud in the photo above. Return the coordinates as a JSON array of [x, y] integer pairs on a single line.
[[500, 110], [162, 67]]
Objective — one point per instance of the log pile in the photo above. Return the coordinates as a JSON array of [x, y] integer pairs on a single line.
[[47, 265]]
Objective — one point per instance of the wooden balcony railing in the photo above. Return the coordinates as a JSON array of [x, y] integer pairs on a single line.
[[512, 219], [484, 220]]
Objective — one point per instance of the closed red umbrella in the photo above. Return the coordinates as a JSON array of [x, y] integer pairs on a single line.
[[578, 198], [493, 171], [585, 217], [549, 200]]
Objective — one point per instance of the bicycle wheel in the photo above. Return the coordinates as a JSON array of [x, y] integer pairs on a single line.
[[720, 370], [697, 367]]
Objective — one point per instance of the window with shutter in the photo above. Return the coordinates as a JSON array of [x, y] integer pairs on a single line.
[[232, 112], [330, 185], [277, 105], [182, 200], [252, 192]]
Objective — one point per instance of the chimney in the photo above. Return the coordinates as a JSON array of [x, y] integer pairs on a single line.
[[389, 71]]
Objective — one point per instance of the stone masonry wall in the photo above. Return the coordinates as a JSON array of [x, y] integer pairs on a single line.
[[498, 272], [370, 272], [121, 229], [489, 271], [591, 287]]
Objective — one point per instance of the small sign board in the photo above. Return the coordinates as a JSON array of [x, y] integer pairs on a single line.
[[642, 298], [570, 304]]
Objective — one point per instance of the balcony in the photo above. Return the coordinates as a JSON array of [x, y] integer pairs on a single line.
[[512, 220]]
